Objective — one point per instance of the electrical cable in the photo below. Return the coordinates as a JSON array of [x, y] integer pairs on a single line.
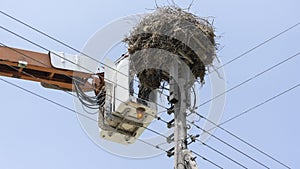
[[76, 85], [257, 46], [229, 145], [244, 112], [49, 100], [255, 76], [146, 128], [65, 107], [224, 155], [166, 137], [62, 105], [246, 81], [240, 84], [245, 142], [75, 80], [60, 42], [153, 131], [157, 147], [249, 79], [217, 68], [64, 90], [35, 44], [66, 75], [58, 104], [260, 104], [236, 149], [72, 48], [205, 159]]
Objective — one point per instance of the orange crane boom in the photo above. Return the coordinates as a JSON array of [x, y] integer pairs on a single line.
[[34, 66]]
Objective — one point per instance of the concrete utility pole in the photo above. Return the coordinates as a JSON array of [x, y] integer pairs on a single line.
[[180, 132], [180, 97]]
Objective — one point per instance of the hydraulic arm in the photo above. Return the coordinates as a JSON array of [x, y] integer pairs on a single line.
[[34, 66]]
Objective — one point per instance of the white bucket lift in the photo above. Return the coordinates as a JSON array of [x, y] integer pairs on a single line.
[[124, 117]]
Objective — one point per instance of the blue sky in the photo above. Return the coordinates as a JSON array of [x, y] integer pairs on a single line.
[[37, 134]]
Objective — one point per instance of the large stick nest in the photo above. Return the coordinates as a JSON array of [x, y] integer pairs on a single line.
[[176, 31]]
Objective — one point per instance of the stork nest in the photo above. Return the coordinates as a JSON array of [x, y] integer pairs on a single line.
[[174, 30]]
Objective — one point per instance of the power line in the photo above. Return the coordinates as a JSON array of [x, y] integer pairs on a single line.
[[246, 81], [26, 39], [23, 38], [219, 152], [79, 113], [58, 41], [153, 131], [41, 80], [66, 75], [49, 100], [259, 45], [63, 90], [70, 93], [75, 96], [236, 149], [70, 47], [244, 112], [240, 84], [237, 137], [56, 103], [65, 107], [157, 147], [60, 57], [249, 79], [205, 159], [229, 145], [257, 75], [260, 104], [166, 137], [216, 69]]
